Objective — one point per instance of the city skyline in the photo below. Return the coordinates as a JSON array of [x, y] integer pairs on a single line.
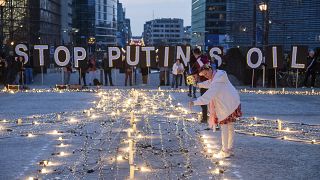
[[156, 9]]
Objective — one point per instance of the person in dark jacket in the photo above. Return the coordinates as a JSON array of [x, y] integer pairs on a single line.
[[3, 70], [145, 74], [311, 69], [13, 69], [29, 71], [20, 74], [107, 71], [128, 74], [82, 74], [201, 60], [192, 89]]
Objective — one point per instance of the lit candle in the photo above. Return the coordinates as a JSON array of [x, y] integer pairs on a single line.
[[88, 113], [131, 152], [132, 118], [132, 168], [279, 125], [134, 127], [120, 158], [19, 121]]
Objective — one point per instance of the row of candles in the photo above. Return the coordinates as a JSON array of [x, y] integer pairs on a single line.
[[133, 129]]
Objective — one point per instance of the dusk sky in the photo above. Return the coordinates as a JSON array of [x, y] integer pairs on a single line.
[[140, 11]]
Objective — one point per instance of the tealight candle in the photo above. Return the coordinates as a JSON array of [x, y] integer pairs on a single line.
[[19, 121], [279, 125]]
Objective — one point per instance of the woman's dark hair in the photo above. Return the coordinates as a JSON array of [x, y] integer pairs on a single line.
[[197, 51]]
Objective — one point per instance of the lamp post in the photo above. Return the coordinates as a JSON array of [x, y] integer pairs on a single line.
[[265, 11], [2, 5]]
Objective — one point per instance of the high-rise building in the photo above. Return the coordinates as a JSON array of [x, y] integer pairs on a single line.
[[124, 28], [165, 31], [66, 22], [96, 21], [45, 21], [32, 22], [208, 22], [291, 22], [187, 35]]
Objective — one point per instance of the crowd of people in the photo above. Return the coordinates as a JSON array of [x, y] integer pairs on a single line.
[[14, 71]]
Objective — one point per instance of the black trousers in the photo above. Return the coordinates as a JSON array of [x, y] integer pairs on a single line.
[[204, 108], [107, 74], [82, 76], [313, 78]]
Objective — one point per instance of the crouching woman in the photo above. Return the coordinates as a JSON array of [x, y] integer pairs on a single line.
[[224, 105]]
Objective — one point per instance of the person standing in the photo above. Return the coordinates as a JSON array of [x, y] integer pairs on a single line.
[[82, 74], [192, 89], [128, 72], [12, 69], [177, 71], [20, 74], [29, 71], [3, 70], [145, 74], [224, 102], [311, 69], [92, 68], [201, 60], [107, 70], [67, 73]]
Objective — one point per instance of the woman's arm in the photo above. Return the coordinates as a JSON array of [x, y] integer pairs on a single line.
[[204, 84], [207, 96]]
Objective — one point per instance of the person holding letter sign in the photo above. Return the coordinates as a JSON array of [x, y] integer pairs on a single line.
[[200, 61], [224, 103]]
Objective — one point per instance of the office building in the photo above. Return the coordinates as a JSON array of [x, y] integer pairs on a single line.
[[165, 31], [124, 29], [66, 22], [97, 23], [208, 22], [290, 23]]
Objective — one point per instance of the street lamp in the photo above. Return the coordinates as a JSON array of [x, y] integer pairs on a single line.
[[263, 7], [265, 11], [2, 5]]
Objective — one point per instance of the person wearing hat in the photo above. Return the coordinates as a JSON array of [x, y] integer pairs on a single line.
[[224, 102], [195, 69]]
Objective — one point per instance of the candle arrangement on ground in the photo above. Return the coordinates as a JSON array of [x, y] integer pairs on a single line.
[[135, 134]]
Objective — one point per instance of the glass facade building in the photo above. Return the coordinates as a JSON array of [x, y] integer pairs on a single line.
[[208, 22], [32, 21], [95, 19], [164, 31], [292, 22], [45, 21]]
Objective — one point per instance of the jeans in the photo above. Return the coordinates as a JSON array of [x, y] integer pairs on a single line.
[[192, 90], [67, 77], [92, 76], [227, 134], [175, 80], [29, 75]]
